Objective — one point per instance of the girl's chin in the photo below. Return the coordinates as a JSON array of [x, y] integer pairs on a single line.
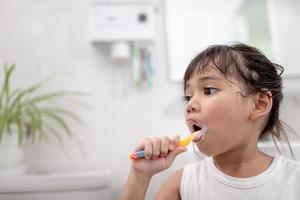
[[203, 150], [206, 148]]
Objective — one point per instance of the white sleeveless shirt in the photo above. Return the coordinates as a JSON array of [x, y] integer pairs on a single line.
[[203, 181]]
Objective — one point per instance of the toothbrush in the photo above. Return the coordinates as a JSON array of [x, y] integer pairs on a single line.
[[185, 142]]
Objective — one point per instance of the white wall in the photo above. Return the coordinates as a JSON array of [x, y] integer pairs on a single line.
[[49, 37]]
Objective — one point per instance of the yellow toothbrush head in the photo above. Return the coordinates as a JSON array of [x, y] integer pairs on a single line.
[[187, 140]]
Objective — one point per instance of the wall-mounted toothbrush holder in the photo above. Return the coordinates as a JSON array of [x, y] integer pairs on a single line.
[[130, 30]]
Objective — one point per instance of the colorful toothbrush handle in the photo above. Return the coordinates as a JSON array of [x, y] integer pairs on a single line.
[[140, 154], [182, 143], [137, 155]]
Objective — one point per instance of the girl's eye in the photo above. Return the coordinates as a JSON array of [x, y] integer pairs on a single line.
[[187, 98], [210, 90]]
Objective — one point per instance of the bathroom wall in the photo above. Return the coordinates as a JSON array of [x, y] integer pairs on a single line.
[[49, 37], [46, 38]]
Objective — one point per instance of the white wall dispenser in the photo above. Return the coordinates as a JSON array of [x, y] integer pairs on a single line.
[[129, 29]]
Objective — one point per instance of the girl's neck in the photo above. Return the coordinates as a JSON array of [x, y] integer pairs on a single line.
[[243, 164]]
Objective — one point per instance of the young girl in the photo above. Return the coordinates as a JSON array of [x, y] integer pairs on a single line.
[[236, 92]]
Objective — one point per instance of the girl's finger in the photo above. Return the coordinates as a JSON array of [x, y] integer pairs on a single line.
[[156, 142], [174, 142], [171, 156], [148, 148], [140, 146], [164, 149]]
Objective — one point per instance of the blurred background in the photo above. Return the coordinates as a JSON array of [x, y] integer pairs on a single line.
[[129, 56]]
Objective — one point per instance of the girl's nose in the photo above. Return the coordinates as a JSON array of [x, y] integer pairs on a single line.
[[192, 106]]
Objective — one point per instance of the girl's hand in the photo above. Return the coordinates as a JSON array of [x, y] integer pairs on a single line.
[[159, 154]]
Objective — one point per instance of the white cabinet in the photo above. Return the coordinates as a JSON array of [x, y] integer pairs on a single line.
[[121, 21]]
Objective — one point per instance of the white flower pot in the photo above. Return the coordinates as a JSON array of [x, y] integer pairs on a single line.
[[11, 156], [46, 157]]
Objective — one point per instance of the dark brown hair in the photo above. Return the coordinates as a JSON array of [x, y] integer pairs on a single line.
[[255, 70]]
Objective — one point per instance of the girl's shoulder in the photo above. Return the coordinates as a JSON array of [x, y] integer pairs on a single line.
[[195, 170], [171, 187], [200, 165], [288, 165], [287, 176], [193, 176]]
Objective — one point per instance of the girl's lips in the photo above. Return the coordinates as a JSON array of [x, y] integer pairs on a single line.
[[198, 137], [191, 123]]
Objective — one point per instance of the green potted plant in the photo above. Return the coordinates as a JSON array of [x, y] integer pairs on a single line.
[[27, 114]]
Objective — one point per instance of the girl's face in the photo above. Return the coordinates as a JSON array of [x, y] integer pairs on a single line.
[[217, 103]]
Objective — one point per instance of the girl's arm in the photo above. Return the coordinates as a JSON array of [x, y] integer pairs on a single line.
[[159, 155], [171, 188], [136, 186]]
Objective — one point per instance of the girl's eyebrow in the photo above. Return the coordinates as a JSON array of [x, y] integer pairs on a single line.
[[207, 78], [204, 78]]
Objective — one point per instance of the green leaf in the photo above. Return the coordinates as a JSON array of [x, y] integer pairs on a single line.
[[20, 132], [59, 120], [62, 112], [18, 95], [36, 122], [47, 97], [4, 95], [28, 110], [55, 132]]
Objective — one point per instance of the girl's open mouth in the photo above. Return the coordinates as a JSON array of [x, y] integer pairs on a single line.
[[202, 131], [196, 128]]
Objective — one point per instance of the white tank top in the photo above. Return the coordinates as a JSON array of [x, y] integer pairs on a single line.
[[203, 181]]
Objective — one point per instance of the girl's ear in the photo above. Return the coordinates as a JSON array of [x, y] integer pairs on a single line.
[[262, 105]]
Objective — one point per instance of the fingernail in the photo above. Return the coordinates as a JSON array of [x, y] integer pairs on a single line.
[[171, 147]]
